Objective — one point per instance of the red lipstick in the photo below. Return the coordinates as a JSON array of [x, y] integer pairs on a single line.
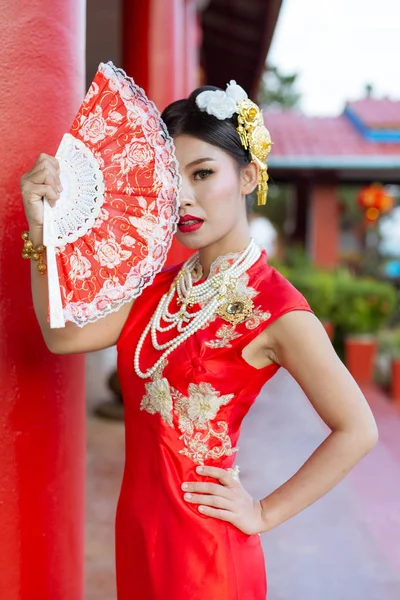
[[189, 223]]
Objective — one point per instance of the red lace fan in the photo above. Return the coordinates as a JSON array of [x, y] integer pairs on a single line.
[[109, 233]]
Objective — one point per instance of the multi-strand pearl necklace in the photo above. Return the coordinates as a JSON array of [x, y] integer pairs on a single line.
[[209, 295]]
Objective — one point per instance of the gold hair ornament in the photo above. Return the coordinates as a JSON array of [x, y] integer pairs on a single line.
[[255, 138]]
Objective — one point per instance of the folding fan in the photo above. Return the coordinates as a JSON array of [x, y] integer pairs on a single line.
[[109, 233]]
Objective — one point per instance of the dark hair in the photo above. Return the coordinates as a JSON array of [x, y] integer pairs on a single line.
[[183, 117]]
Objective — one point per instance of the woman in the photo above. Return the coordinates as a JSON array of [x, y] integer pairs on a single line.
[[194, 351]]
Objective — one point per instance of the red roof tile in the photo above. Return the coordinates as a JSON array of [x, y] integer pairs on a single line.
[[377, 114], [296, 135]]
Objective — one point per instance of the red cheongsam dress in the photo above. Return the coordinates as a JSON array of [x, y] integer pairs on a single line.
[[188, 414]]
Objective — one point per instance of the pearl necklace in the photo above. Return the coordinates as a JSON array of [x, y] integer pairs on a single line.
[[209, 295]]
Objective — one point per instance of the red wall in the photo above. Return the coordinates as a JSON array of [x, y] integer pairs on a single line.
[[42, 409], [324, 226]]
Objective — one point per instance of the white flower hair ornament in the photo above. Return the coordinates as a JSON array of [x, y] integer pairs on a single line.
[[253, 134]]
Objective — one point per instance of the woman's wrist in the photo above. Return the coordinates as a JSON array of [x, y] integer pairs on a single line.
[[36, 234], [270, 514]]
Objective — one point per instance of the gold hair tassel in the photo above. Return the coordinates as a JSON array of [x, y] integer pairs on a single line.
[[256, 138], [262, 190]]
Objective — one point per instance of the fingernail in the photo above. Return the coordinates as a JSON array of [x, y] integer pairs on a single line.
[[199, 469], [185, 486], [188, 496], [60, 188]]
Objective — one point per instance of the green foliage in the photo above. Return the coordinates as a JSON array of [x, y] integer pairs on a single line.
[[356, 305], [278, 90], [296, 257], [364, 305], [318, 287], [389, 342]]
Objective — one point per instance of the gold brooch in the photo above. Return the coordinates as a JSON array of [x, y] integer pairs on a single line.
[[236, 309]]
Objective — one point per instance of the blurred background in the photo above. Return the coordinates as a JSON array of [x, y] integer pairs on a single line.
[[325, 74]]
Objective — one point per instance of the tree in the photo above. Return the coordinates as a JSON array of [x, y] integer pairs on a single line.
[[278, 90]]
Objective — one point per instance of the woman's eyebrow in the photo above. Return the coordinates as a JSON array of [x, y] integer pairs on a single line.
[[198, 161]]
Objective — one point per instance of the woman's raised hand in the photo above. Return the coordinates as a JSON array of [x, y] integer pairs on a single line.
[[42, 180]]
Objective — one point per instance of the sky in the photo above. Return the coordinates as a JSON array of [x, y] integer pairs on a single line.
[[337, 47]]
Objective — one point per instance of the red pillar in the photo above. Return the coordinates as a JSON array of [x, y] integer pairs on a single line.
[[156, 39], [192, 47], [135, 41], [323, 228], [42, 408]]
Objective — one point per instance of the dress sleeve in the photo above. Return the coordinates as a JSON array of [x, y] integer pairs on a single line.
[[276, 297], [286, 298]]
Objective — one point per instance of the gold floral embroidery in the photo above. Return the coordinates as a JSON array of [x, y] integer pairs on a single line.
[[257, 317], [158, 398], [225, 334], [197, 447], [195, 413], [201, 405]]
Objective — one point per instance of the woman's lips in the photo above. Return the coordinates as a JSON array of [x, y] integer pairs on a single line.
[[188, 226]]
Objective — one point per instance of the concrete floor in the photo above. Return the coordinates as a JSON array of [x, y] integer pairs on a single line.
[[346, 546]]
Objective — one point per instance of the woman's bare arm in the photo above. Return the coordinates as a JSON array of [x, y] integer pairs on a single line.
[[44, 179], [73, 339], [299, 343]]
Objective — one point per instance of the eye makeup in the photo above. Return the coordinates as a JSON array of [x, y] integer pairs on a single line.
[[201, 174]]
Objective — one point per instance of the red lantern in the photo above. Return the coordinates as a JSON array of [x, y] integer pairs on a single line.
[[375, 201]]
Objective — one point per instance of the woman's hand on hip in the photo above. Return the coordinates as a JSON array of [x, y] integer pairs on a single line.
[[226, 500]]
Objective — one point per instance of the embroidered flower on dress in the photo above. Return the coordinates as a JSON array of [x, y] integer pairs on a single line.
[[158, 399], [243, 289], [199, 449], [225, 334], [257, 317], [202, 404], [194, 413]]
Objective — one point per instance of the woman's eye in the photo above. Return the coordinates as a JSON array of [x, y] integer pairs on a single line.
[[202, 174]]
